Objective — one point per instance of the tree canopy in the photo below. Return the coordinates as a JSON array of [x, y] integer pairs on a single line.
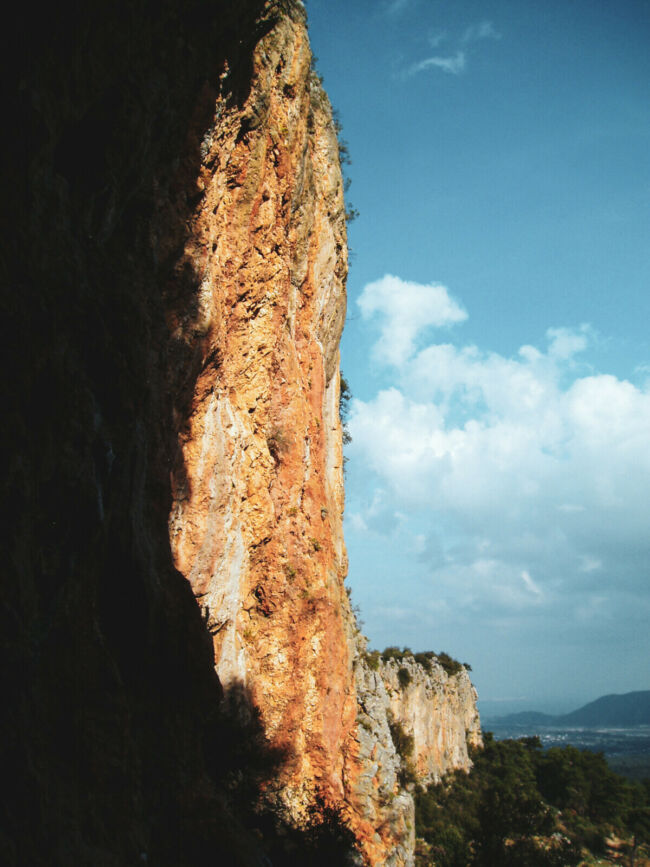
[[523, 807]]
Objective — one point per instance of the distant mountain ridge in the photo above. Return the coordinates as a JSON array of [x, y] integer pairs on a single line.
[[628, 709]]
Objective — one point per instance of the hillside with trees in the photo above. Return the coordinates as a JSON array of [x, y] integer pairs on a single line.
[[521, 806], [626, 710]]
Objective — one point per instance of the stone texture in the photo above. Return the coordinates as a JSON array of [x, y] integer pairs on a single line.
[[256, 523], [174, 278], [110, 701], [388, 807], [438, 710]]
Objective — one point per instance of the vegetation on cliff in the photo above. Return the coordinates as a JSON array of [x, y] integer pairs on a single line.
[[524, 807], [404, 746], [345, 397], [426, 659]]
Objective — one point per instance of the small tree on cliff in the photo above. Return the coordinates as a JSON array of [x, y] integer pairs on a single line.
[[344, 409]]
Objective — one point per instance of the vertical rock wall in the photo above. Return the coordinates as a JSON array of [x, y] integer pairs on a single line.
[[377, 786], [174, 291], [110, 702], [256, 520], [438, 710], [256, 523]]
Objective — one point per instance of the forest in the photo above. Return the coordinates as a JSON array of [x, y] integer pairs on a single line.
[[522, 806]]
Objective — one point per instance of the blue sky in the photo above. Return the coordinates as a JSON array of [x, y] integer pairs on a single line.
[[497, 339]]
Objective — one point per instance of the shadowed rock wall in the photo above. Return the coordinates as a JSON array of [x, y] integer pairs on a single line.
[[256, 522], [182, 677], [109, 695]]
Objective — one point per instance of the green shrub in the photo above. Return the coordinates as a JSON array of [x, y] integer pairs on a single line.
[[344, 409], [351, 213], [404, 744], [407, 775], [425, 659], [404, 677], [450, 665], [372, 659], [395, 653], [278, 443]]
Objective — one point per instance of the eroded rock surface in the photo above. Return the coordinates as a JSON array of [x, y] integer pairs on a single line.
[[438, 710], [385, 802], [110, 701], [174, 283], [256, 524]]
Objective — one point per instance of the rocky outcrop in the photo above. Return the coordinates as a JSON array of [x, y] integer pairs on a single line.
[[183, 676], [110, 703], [416, 722], [378, 787], [256, 522], [438, 710]]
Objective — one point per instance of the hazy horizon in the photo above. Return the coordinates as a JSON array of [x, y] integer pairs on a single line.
[[504, 707]]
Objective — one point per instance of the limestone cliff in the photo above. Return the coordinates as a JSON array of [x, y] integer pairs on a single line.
[[438, 710], [378, 786], [256, 523], [256, 518], [173, 272], [110, 703]]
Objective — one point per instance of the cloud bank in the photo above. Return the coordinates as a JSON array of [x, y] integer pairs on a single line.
[[404, 310], [521, 482]]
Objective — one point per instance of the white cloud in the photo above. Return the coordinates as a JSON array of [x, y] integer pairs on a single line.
[[530, 584], [379, 515], [525, 466], [481, 30], [454, 64], [405, 309], [566, 342]]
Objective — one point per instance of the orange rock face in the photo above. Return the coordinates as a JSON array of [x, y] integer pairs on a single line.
[[176, 293], [256, 524]]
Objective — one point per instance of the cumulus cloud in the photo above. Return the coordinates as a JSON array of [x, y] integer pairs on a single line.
[[404, 310], [531, 472], [379, 515], [566, 342]]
